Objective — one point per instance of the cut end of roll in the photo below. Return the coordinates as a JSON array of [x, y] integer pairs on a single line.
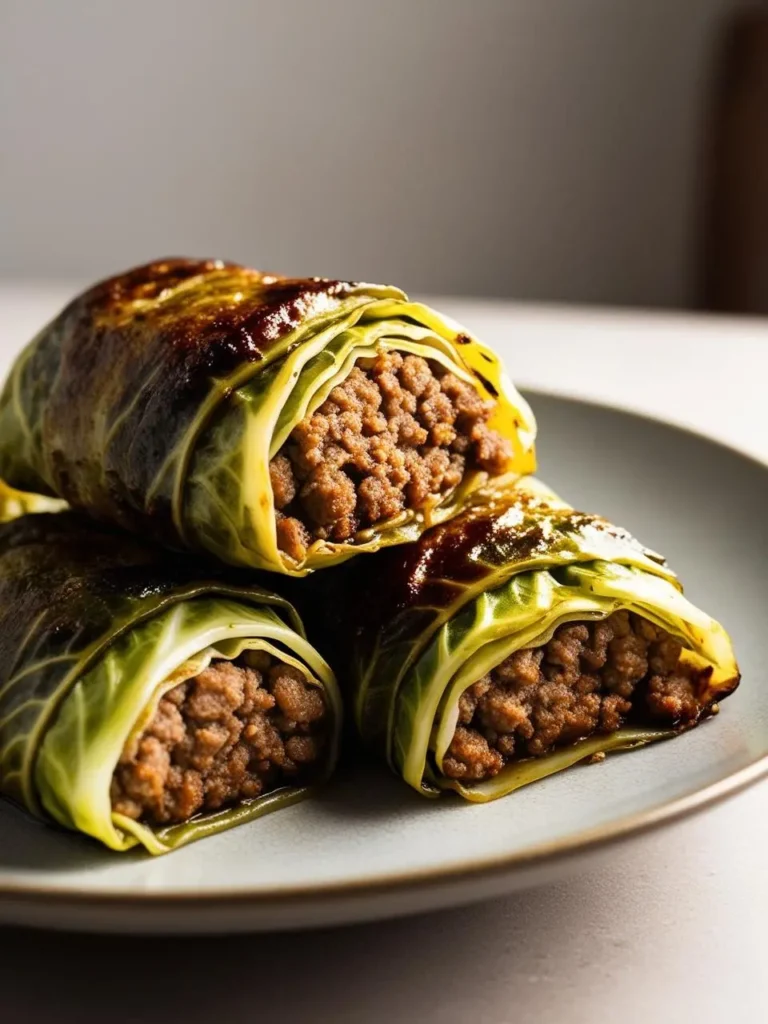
[[395, 437], [591, 678], [236, 731]]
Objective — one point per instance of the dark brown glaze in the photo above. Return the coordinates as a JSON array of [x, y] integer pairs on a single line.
[[513, 528], [68, 587], [115, 381], [415, 581]]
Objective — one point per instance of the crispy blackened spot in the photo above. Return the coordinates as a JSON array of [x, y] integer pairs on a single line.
[[592, 677], [151, 280], [234, 732], [398, 433], [487, 385], [228, 315]]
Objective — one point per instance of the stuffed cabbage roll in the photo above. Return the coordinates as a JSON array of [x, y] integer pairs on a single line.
[[146, 701], [277, 423], [516, 640]]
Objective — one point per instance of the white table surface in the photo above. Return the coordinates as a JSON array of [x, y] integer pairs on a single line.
[[674, 926]]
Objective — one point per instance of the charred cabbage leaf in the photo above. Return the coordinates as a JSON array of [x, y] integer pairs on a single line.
[[157, 399], [94, 627]]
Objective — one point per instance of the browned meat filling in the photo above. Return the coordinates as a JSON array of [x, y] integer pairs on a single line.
[[395, 434], [590, 678], [231, 733]]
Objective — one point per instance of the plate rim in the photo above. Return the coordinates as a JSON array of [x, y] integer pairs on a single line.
[[540, 855]]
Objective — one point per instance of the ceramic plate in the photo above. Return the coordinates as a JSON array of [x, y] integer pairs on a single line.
[[370, 847]]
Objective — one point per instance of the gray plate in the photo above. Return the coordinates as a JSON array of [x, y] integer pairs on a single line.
[[370, 847]]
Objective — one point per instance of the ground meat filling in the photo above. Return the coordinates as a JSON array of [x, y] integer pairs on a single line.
[[591, 677], [235, 731], [398, 432]]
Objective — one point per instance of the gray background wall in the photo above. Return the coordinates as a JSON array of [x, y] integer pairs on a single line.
[[545, 149]]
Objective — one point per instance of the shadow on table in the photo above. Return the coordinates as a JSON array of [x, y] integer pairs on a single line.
[[359, 792], [444, 967], [366, 791], [421, 969], [30, 845], [654, 920]]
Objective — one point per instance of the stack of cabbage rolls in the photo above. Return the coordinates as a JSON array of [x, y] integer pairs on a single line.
[[190, 451]]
